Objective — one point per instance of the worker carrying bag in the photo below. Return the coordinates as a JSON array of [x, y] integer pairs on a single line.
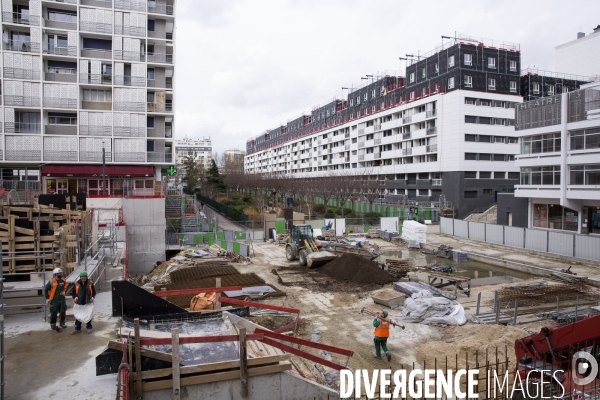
[[83, 313]]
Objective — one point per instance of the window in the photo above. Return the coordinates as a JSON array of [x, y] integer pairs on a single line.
[[549, 175], [585, 139], [96, 95], [150, 25], [487, 191], [587, 174], [469, 100], [499, 139], [469, 119], [485, 103], [470, 138], [468, 59], [412, 95], [470, 174], [499, 175], [485, 175], [513, 175], [450, 61], [535, 88], [437, 68], [451, 83], [491, 84], [372, 95], [550, 90], [485, 120], [357, 100], [351, 102], [150, 122], [150, 48], [354, 140], [411, 77], [470, 194], [547, 143], [485, 139], [484, 157], [151, 74], [366, 96], [491, 62], [62, 119], [512, 65], [62, 16], [512, 140], [470, 156], [150, 145], [468, 81], [423, 74], [513, 86]]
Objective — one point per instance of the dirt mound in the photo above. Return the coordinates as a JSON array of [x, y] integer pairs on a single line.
[[352, 267]]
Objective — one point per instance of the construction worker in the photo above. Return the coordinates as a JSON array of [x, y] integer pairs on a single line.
[[382, 332], [83, 293], [54, 292]]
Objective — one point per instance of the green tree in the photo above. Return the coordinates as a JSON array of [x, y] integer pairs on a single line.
[[193, 172], [214, 177]]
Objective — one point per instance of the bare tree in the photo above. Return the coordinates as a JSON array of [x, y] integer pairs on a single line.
[[370, 187], [343, 185]]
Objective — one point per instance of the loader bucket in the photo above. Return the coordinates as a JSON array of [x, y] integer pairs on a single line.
[[319, 259]]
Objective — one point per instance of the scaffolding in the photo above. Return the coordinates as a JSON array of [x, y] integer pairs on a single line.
[[182, 214]]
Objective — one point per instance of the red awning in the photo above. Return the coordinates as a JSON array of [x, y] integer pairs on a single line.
[[90, 171]]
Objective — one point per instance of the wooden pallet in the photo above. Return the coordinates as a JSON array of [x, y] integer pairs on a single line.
[[397, 267]]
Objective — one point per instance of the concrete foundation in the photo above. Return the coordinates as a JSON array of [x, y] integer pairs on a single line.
[[146, 225], [283, 386]]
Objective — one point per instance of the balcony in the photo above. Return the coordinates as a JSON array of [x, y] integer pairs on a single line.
[[130, 5], [436, 182], [130, 131], [432, 131], [125, 80], [70, 51], [407, 152], [19, 45], [67, 75], [377, 141], [95, 79], [65, 1], [160, 58], [60, 129], [96, 105], [130, 30], [160, 157], [97, 3], [59, 155], [431, 113], [406, 135], [160, 108], [23, 155], [129, 55], [160, 9], [20, 18], [129, 106], [377, 156], [97, 53], [23, 101], [95, 130], [20, 73], [61, 21], [54, 102], [432, 148], [22, 127], [130, 157], [98, 27], [95, 156], [407, 120]]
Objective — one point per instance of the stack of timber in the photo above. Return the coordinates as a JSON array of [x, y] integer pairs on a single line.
[[34, 235]]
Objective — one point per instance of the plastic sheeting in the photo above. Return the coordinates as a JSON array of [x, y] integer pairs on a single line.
[[83, 313], [423, 308]]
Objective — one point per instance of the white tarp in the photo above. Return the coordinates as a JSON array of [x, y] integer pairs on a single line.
[[83, 313], [422, 307]]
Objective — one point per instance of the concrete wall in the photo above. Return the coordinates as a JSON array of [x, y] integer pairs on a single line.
[[508, 203], [283, 386], [146, 224]]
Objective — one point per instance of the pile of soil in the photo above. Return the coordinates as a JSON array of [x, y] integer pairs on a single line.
[[354, 268]]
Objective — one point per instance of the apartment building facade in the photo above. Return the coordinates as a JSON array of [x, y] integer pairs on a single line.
[[580, 56], [201, 149], [86, 82], [447, 128], [560, 160]]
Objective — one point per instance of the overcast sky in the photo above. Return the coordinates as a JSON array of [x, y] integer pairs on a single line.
[[245, 66]]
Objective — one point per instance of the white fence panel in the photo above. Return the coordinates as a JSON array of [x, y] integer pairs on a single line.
[[316, 223], [461, 228], [536, 239], [389, 224], [513, 236], [494, 233], [446, 226], [477, 231], [561, 243], [587, 247]]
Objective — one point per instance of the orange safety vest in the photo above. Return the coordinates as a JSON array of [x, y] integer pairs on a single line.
[[77, 288], [383, 330], [53, 287]]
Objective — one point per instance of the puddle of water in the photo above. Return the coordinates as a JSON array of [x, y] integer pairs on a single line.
[[479, 272]]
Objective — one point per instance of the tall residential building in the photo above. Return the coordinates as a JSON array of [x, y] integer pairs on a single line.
[[201, 149], [447, 128], [560, 160], [580, 56], [234, 156], [83, 78]]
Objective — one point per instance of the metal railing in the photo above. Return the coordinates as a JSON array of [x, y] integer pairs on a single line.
[[20, 18], [23, 101], [126, 80], [377, 141], [130, 157], [95, 130], [431, 113], [126, 55], [160, 157], [160, 58], [97, 79], [20, 45], [406, 135], [60, 102], [160, 108], [160, 9], [407, 152], [70, 51], [406, 120], [20, 73], [129, 106], [23, 155], [130, 5], [431, 148], [99, 27], [97, 53], [130, 131], [130, 30], [431, 131]]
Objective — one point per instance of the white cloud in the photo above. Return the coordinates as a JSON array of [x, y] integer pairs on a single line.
[[245, 66]]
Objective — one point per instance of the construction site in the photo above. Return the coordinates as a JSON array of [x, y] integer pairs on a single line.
[[192, 305]]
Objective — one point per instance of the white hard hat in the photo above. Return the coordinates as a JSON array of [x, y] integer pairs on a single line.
[[57, 271]]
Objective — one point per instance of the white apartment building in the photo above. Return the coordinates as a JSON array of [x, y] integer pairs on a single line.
[[234, 156], [83, 77], [201, 149], [560, 160], [580, 56]]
